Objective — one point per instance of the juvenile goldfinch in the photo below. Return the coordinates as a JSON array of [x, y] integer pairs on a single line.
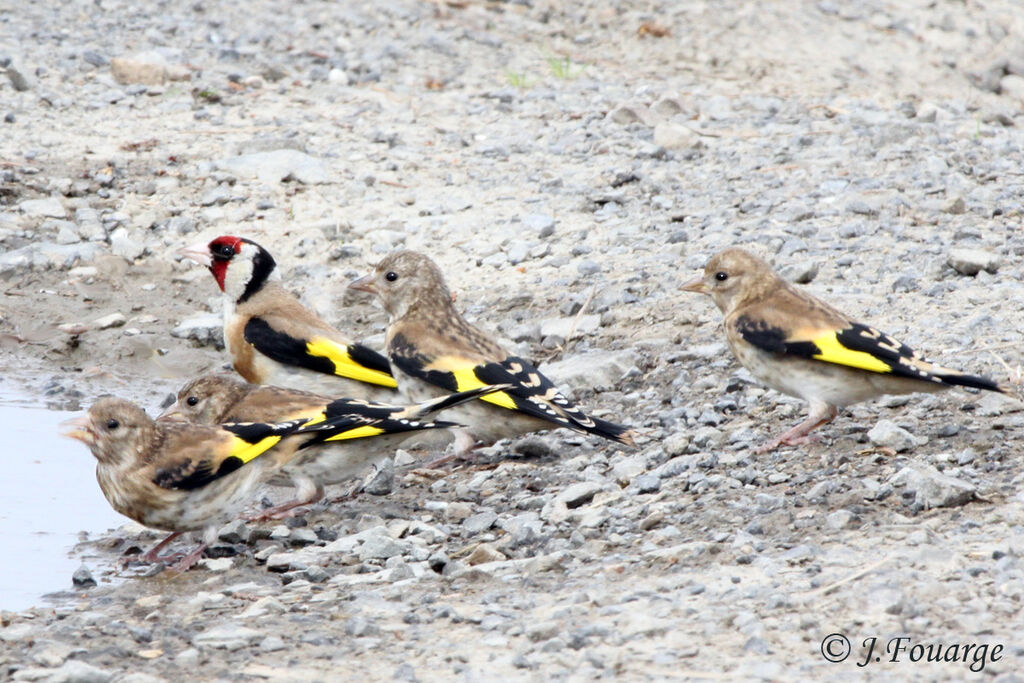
[[182, 477], [433, 351], [274, 339], [372, 430], [803, 347]]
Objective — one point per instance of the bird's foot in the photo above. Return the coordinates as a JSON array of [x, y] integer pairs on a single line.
[[784, 440], [188, 561], [282, 511]]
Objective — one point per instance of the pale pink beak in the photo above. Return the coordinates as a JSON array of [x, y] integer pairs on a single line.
[[696, 285], [364, 284], [81, 429], [199, 252], [174, 413]]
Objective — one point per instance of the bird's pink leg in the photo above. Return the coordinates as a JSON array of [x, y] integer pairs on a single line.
[[462, 449], [308, 492], [153, 554], [798, 435]]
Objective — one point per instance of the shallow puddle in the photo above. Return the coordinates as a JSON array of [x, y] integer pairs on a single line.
[[48, 495]]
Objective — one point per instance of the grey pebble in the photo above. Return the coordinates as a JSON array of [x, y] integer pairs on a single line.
[[82, 578]]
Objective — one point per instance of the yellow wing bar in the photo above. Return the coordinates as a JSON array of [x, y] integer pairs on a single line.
[[345, 365], [833, 351], [246, 452], [357, 433]]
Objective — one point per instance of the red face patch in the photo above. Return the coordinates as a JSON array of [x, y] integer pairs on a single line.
[[222, 250]]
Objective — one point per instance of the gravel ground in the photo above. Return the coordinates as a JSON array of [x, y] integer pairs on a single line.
[[568, 165]]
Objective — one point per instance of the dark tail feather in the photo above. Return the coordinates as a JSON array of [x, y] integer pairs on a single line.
[[436, 405], [975, 382], [615, 432]]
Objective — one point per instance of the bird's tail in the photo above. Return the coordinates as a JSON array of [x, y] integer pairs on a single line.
[[615, 432], [426, 409], [962, 379]]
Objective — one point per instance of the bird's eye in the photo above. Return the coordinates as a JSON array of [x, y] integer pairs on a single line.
[[192, 400], [391, 276], [226, 250], [113, 424], [721, 277]]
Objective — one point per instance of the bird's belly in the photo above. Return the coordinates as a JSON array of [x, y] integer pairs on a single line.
[[341, 462], [819, 381], [216, 503]]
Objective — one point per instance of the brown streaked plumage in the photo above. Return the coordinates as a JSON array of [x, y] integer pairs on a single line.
[[273, 339], [180, 477], [219, 398], [434, 350], [801, 346]]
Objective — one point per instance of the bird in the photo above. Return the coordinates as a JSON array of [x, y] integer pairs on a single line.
[[273, 339], [376, 428], [182, 477], [433, 350], [803, 347]]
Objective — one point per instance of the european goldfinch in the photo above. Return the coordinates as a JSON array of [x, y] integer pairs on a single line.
[[274, 339], [433, 351], [182, 477], [803, 347], [371, 430]]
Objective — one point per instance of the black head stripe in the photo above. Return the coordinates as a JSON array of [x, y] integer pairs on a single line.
[[263, 265]]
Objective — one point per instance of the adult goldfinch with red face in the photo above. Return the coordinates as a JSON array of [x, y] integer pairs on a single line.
[[373, 431], [181, 477], [433, 351], [803, 347], [274, 339]]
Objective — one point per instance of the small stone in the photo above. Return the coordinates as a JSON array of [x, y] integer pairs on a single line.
[[479, 522], [991, 404], [675, 136], [647, 483], [217, 564], [629, 467], [19, 81], [205, 328], [597, 370], [955, 206], [126, 245], [380, 547], [82, 578], [577, 326], [94, 58], [316, 574], [800, 273], [279, 562], [108, 321], [624, 115], [840, 519], [483, 554], [227, 637], [578, 494], [77, 671], [887, 434], [277, 166], [359, 627], [383, 481], [972, 261], [235, 532], [50, 207], [933, 488], [302, 537], [542, 224]]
